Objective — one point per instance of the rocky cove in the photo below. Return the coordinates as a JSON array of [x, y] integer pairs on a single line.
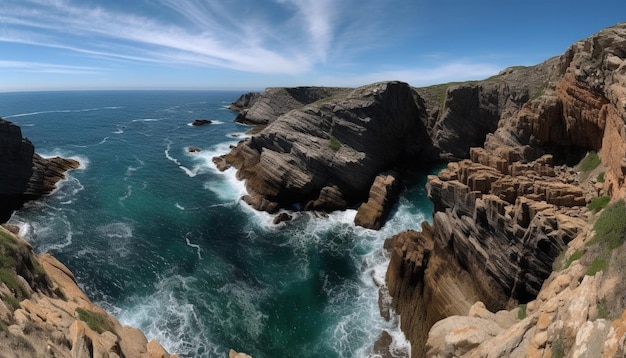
[[505, 267]]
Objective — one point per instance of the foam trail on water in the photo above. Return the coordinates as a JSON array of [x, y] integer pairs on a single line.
[[167, 153], [195, 246]]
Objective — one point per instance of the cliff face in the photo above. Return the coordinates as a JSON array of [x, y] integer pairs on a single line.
[[25, 174], [264, 108], [43, 312], [504, 216], [326, 155]]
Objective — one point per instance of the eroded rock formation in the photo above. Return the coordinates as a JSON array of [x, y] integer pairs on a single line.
[[503, 216], [43, 312], [25, 174], [325, 156], [264, 108]]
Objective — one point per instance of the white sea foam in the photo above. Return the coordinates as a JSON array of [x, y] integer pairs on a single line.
[[167, 153], [195, 246], [147, 120], [116, 230], [61, 111], [120, 129], [168, 316], [179, 207], [129, 192]]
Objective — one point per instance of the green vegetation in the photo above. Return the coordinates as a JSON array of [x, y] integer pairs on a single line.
[[598, 203], [538, 93], [603, 309], [558, 348], [610, 233], [334, 144], [575, 256], [98, 322], [521, 312], [600, 177], [598, 264], [589, 162], [610, 227]]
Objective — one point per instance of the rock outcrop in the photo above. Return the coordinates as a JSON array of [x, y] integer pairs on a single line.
[[326, 155], [503, 217], [264, 108], [25, 174], [43, 312]]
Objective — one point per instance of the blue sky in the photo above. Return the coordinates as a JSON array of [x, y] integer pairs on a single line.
[[252, 44]]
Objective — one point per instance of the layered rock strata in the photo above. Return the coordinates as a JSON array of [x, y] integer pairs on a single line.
[[43, 312], [25, 174], [326, 155], [496, 230], [264, 108], [503, 216]]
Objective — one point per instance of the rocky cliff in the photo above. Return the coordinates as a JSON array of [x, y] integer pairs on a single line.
[[517, 209], [43, 312], [25, 174], [326, 155]]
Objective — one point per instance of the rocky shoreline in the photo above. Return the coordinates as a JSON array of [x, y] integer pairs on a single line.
[[519, 260], [43, 312], [504, 269]]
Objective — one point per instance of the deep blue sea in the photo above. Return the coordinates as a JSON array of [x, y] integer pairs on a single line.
[[158, 237]]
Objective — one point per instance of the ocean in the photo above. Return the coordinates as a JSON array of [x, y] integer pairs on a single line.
[[159, 238]]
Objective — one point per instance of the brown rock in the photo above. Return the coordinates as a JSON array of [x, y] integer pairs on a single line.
[[383, 193], [201, 122]]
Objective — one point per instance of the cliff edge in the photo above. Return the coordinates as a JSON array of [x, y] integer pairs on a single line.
[[523, 259], [25, 174], [43, 312]]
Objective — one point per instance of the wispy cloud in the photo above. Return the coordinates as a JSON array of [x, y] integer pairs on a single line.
[[206, 34], [446, 72], [48, 67]]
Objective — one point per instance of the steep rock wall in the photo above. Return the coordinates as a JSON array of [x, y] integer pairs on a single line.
[[332, 149], [504, 216], [25, 174]]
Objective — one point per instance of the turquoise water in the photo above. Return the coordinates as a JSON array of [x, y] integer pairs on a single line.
[[159, 237]]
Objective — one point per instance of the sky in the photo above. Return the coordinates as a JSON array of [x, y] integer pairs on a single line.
[[253, 44]]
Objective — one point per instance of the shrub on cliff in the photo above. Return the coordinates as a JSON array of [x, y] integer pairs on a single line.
[[610, 234]]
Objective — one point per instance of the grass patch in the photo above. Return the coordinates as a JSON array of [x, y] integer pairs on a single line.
[[521, 312], [603, 309], [600, 177], [98, 322], [334, 144], [12, 301], [590, 162], [610, 233], [598, 203], [610, 227], [575, 256], [10, 279], [598, 264]]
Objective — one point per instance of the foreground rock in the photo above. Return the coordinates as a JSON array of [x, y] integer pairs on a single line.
[[25, 174], [503, 217], [325, 156], [43, 312]]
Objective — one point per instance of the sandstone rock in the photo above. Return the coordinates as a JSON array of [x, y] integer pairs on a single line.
[[454, 336], [234, 354], [383, 193]]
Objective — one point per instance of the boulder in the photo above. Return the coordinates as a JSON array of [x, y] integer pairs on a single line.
[[201, 122]]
